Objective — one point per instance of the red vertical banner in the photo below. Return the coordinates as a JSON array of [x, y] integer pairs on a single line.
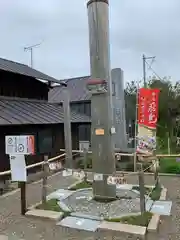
[[142, 105], [148, 107], [152, 108]]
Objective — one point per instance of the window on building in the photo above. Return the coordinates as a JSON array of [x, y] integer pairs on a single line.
[[45, 141], [85, 132], [87, 109]]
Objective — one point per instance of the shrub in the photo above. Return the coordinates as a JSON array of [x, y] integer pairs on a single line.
[[80, 162], [169, 165]]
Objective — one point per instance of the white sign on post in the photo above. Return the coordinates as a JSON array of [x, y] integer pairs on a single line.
[[18, 168], [98, 177], [67, 173], [20, 145]]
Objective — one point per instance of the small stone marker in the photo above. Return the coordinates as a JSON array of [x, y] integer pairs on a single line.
[[67, 173]]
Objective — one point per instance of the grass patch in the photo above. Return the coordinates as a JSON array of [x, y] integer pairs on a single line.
[[82, 185], [154, 194], [139, 220], [169, 165], [52, 205]]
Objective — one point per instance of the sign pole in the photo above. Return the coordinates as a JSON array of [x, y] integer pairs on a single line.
[[17, 147], [22, 186], [85, 151], [142, 189]]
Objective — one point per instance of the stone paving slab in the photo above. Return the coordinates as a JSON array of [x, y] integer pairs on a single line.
[[60, 194], [162, 208], [80, 223]]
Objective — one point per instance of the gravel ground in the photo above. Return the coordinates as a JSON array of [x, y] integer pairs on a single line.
[[87, 205], [13, 224]]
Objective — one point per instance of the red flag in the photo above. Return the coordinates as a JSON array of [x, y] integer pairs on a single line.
[[148, 107]]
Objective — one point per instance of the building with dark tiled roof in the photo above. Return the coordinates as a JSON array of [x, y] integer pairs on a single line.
[[25, 110], [81, 102]]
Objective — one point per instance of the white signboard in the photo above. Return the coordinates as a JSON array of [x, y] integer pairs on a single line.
[[18, 168], [67, 173], [116, 180], [98, 177], [79, 174], [55, 166], [83, 145], [20, 145]]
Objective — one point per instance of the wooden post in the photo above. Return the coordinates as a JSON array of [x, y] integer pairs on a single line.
[[22, 186], [142, 189], [156, 175], [85, 151], [44, 183]]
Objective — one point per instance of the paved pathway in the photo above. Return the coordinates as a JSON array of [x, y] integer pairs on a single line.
[[170, 226], [13, 224]]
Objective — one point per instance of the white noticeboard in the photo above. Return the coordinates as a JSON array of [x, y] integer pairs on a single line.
[[24, 145], [98, 177], [83, 145], [67, 173], [18, 168]]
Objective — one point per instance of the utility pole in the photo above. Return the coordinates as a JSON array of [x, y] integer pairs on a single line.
[[144, 68], [30, 48], [100, 86]]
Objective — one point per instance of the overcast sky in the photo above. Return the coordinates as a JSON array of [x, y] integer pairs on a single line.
[[136, 27]]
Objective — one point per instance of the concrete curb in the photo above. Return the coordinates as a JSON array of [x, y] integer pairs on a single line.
[[45, 214], [136, 231], [74, 184], [155, 220], [150, 173], [4, 237], [33, 207]]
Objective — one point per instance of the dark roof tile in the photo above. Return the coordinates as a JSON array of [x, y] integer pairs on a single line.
[[19, 68], [20, 111], [77, 90]]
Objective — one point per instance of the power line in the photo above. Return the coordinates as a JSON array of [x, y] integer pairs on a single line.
[[153, 71], [144, 67]]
